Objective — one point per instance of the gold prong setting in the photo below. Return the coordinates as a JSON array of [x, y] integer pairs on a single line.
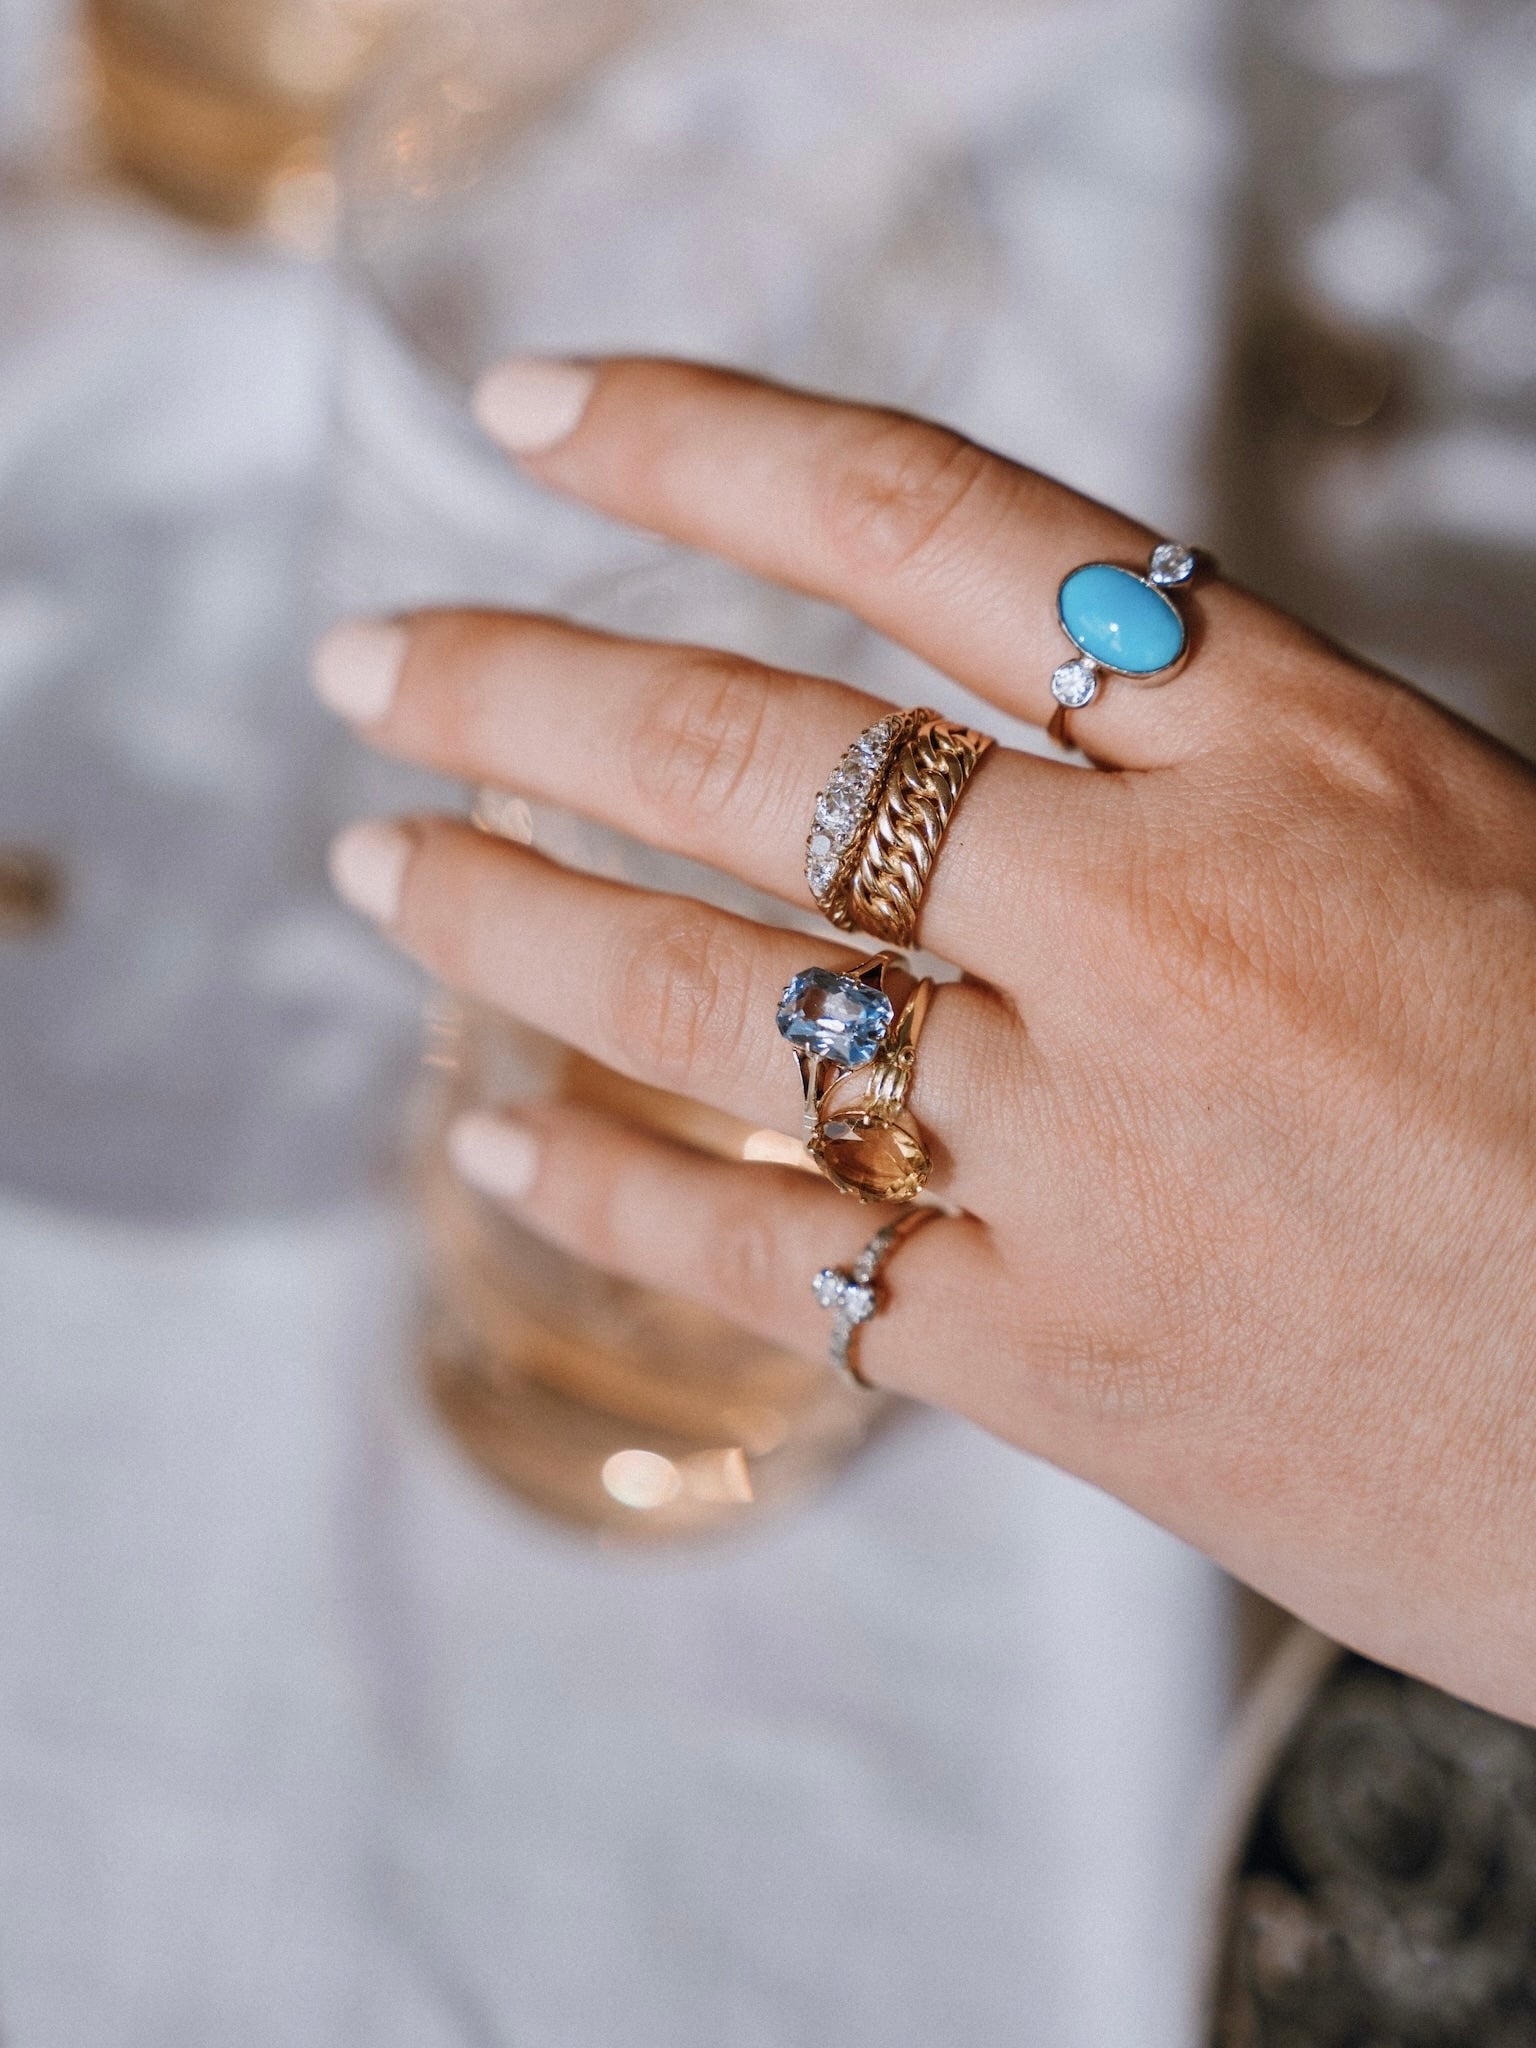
[[845, 807]]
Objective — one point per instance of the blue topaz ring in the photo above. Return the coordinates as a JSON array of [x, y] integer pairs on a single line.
[[855, 1037], [853, 1294], [1122, 624]]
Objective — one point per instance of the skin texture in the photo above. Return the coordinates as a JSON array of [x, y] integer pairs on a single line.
[[1239, 1096]]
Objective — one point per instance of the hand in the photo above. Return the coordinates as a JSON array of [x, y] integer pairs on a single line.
[[1239, 1093]]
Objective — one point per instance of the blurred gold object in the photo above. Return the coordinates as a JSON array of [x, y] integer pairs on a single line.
[[31, 891], [224, 109], [606, 1404]]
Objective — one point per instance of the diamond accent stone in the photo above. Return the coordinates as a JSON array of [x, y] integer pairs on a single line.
[[1172, 563], [859, 1303], [829, 1287], [849, 1294], [1075, 683], [842, 806]]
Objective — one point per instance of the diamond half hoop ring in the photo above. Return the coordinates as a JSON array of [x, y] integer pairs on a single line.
[[879, 822], [855, 1037], [1121, 624], [853, 1294]]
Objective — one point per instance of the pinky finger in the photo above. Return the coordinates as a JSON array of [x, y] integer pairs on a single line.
[[744, 1240]]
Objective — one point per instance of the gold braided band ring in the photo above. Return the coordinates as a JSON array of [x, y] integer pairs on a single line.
[[881, 818]]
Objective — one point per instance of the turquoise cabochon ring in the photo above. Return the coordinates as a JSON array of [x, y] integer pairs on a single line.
[[1121, 623]]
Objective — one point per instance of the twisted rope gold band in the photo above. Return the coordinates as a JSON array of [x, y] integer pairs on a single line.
[[901, 843]]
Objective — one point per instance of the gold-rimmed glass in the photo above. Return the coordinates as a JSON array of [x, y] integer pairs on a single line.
[[225, 109], [651, 197]]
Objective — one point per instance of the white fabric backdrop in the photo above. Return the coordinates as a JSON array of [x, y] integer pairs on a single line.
[[307, 1736]]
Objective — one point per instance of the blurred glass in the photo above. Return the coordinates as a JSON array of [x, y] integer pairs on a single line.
[[190, 1026], [224, 108], [1380, 457], [503, 193]]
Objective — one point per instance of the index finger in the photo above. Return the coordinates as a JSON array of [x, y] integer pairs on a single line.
[[950, 549]]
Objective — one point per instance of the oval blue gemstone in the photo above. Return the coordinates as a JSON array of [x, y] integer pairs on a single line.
[[1120, 619], [839, 1020]]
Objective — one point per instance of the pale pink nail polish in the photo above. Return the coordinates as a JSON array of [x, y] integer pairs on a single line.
[[495, 1155], [531, 404], [368, 864], [356, 667]]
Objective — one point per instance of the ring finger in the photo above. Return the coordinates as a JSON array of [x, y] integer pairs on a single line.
[[662, 988]]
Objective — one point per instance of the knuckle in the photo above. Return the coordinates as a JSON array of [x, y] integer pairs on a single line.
[[443, 910], [607, 1212], [677, 998], [747, 1261], [450, 681], [1194, 923], [1245, 933], [1135, 1356], [900, 493], [1364, 744], [1105, 1382], [693, 748]]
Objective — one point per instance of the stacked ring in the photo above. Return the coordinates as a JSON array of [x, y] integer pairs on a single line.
[[856, 1051], [879, 822], [852, 1294]]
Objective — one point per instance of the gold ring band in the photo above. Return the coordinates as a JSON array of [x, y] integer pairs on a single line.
[[926, 781], [880, 820]]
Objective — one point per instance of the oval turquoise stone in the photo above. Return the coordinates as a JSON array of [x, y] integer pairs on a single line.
[[1120, 619]]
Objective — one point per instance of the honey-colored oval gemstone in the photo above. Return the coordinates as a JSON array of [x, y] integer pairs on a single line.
[[878, 1157]]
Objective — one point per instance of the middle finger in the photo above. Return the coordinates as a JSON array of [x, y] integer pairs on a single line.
[[702, 753], [661, 988]]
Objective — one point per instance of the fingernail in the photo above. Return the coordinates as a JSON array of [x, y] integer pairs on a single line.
[[368, 864], [495, 1155], [531, 404], [356, 666]]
